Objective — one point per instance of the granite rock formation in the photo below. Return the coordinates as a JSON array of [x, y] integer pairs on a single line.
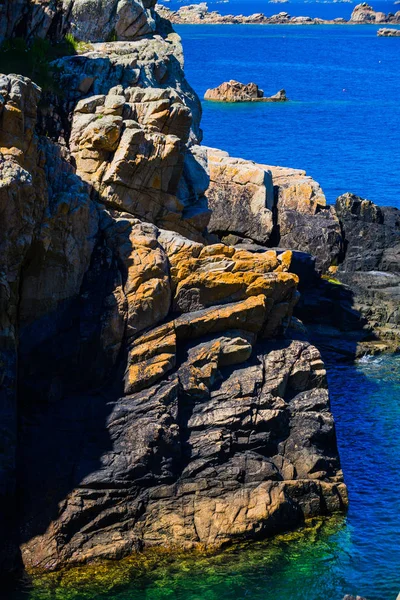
[[234, 91], [388, 32], [272, 206], [355, 243], [372, 269], [88, 20], [364, 13], [199, 14], [148, 394]]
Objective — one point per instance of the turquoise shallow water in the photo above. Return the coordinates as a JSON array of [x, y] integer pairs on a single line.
[[342, 125], [356, 554]]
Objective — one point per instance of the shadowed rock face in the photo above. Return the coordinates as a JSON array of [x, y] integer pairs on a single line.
[[371, 265], [145, 399], [88, 20]]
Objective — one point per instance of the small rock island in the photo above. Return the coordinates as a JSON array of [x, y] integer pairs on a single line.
[[388, 32], [234, 91]]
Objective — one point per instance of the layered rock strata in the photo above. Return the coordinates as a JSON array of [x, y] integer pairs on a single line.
[[354, 243], [234, 91], [148, 394]]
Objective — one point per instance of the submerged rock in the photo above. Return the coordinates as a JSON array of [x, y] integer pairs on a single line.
[[234, 91]]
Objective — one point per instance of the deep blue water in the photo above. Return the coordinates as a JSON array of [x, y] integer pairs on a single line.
[[342, 124]]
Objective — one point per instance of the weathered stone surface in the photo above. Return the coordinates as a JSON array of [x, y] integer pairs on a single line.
[[272, 206], [199, 14], [319, 234], [138, 389], [240, 196], [388, 32], [30, 19], [234, 91], [371, 266], [134, 156], [372, 235], [47, 236], [105, 20], [295, 190], [87, 20], [364, 13], [213, 454]]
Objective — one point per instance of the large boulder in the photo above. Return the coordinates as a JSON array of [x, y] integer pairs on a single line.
[[364, 13], [110, 20], [240, 196], [388, 32], [226, 446], [271, 205]]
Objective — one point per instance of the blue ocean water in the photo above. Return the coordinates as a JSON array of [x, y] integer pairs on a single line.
[[342, 124]]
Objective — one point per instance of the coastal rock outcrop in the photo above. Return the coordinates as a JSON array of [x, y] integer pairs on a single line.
[[364, 13], [88, 20], [356, 243], [240, 196], [272, 205], [199, 14], [148, 394], [388, 32], [234, 91], [372, 268]]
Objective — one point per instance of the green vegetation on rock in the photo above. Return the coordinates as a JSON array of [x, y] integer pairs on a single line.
[[34, 60]]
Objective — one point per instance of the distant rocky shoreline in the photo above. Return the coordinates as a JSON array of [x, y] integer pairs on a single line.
[[199, 14]]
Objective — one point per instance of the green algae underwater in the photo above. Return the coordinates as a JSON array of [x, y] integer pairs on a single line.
[[240, 571], [326, 559]]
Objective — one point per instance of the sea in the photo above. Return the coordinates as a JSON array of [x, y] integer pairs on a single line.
[[342, 126], [342, 122]]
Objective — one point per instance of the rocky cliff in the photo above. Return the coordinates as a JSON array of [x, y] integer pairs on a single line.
[[149, 396], [347, 255]]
